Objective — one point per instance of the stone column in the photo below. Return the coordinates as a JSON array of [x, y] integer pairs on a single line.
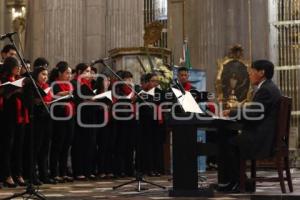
[[82, 30], [209, 37], [2, 21], [5, 20], [65, 29], [56, 30], [203, 26], [35, 30], [260, 30], [2, 10], [124, 24], [8, 17], [212, 26], [95, 40], [238, 29]]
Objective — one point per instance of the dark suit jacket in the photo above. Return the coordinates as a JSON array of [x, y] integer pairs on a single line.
[[257, 138]]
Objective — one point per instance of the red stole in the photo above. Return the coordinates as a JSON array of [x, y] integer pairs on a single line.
[[127, 90], [84, 81], [70, 108], [187, 86], [48, 97], [22, 113], [211, 107]]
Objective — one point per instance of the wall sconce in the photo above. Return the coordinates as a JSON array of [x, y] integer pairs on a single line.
[[18, 14]]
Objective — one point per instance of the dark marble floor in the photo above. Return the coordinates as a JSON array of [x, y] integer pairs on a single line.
[[102, 189]]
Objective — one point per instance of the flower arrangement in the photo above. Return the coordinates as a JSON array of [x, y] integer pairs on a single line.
[[165, 75]]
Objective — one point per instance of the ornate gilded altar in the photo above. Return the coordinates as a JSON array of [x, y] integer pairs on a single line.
[[141, 60], [232, 82]]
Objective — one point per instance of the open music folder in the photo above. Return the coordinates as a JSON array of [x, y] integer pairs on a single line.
[[47, 90], [17, 83], [62, 98], [187, 101], [150, 92], [107, 94]]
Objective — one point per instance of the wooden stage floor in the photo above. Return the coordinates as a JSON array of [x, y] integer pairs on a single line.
[[102, 189]]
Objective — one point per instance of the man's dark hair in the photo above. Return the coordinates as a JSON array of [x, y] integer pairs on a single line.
[[99, 84], [126, 74], [143, 78], [120, 73], [149, 76], [180, 69], [27, 61], [60, 67], [37, 71], [265, 65], [9, 64], [81, 67], [7, 48], [94, 69], [40, 62]]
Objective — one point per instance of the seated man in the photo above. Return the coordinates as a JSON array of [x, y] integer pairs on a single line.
[[256, 139]]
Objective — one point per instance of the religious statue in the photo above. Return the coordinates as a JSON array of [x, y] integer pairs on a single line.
[[232, 78], [152, 33]]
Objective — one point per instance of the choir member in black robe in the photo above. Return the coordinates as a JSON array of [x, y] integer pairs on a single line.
[[84, 145], [7, 51], [125, 125], [63, 121], [152, 132], [42, 126], [31, 160], [105, 134], [15, 116]]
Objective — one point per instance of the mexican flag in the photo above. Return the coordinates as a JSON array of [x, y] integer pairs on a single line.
[[186, 60]]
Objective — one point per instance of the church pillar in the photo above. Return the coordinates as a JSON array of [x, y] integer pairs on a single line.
[[56, 30], [82, 30], [94, 45], [201, 22], [5, 19], [212, 26], [124, 24], [2, 20], [64, 30], [34, 38]]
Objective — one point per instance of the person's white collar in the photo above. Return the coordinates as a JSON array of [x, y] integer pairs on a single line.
[[260, 84]]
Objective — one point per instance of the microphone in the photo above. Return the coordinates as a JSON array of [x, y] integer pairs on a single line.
[[100, 60], [179, 85], [2, 37]]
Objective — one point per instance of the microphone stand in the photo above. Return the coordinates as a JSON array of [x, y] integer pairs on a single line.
[[180, 87], [29, 74], [138, 175], [30, 190]]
